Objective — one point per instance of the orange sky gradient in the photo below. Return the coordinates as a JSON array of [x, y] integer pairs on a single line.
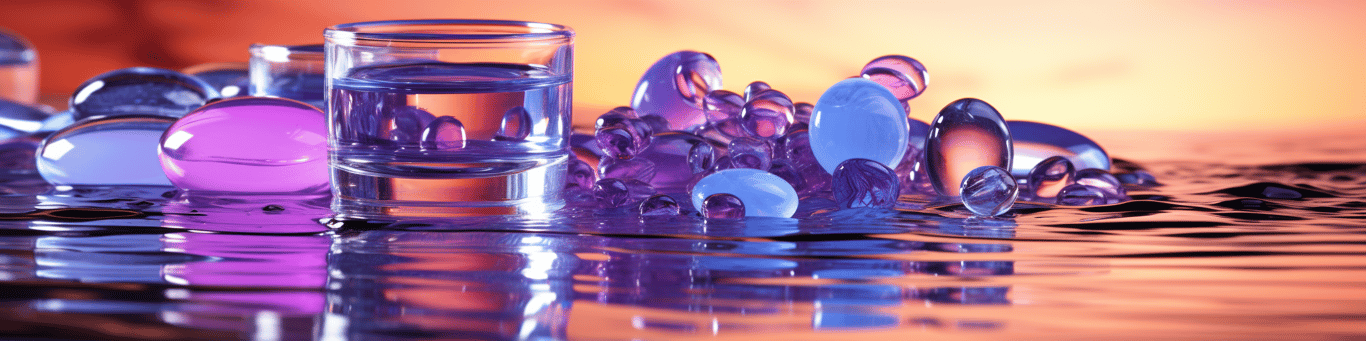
[[1087, 65]]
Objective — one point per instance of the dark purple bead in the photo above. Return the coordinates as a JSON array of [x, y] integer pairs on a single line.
[[659, 205], [723, 206], [581, 175], [722, 105], [613, 193], [755, 88], [634, 168], [767, 114], [748, 152], [865, 183]]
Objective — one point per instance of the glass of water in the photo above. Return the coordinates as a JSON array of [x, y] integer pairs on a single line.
[[446, 118]]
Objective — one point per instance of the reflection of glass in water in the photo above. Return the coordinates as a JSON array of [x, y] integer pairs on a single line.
[[493, 169], [18, 68]]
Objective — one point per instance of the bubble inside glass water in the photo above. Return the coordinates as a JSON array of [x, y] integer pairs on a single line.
[[989, 191], [444, 133], [140, 90], [248, 145], [966, 134], [865, 183], [516, 125], [113, 150]]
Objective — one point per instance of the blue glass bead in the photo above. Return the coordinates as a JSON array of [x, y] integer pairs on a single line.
[[865, 183], [674, 88], [1034, 142], [1049, 177], [407, 125], [722, 105], [989, 191], [58, 121], [858, 118], [966, 134], [230, 79], [581, 175], [764, 194], [140, 90], [754, 88], [19, 64], [1081, 195], [723, 206], [748, 152], [767, 114], [903, 75], [679, 159], [659, 205], [21, 117], [113, 150], [614, 193], [516, 125], [1103, 181], [444, 133]]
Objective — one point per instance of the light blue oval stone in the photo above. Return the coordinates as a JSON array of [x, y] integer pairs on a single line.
[[764, 194], [858, 118]]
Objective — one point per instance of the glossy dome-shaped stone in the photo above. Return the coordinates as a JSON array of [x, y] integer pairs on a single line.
[[764, 194], [989, 191], [903, 75], [858, 118], [1033, 142], [113, 150], [966, 134], [248, 145], [140, 90], [675, 87]]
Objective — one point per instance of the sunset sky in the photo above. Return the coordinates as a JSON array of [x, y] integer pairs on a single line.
[[1086, 65]]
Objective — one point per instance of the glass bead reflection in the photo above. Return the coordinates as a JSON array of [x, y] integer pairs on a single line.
[[989, 191], [674, 88], [1103, 181], [581, 174], [1050, 176], [723, 206], [966, 134], [722, 105], [248, 145], [764, 194], [115, 150], [1032, 142], [754, 88], [615, 193], [903, 75], [767, 115], [1081, 195], [865, 183], [858, 118], [747, 152], [659, 205], [140, 90]]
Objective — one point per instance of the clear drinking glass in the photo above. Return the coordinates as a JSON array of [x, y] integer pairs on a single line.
[[439, 118], [290, 71]]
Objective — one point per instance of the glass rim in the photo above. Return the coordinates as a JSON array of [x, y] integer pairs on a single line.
[[535, 30]]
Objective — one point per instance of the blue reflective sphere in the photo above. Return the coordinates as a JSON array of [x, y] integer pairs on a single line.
[[858, 118]]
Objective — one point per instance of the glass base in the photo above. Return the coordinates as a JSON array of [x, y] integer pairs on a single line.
[[534, 191]]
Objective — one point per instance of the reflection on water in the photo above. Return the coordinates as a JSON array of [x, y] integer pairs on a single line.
[[1216, 251]]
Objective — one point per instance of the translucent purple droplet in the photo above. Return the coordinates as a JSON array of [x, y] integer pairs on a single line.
[[702, 158], [795, 148], [865, 183], [633, 168], [966, 134], [904, 76], [674, 88], [621, 135], [767, 115], [516, 125], [581, 175], [140, 90], [801, 116], [677, 157], [1050, 176], [748, 152], [723, 206], [1081, 195], [722, 105], [248, 145], [989, 191], [614, 193], [754, 88], [1032, 142], [1103, 181], [659, 205], [444, 133], [407, 125]]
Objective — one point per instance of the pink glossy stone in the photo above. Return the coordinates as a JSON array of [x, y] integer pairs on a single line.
[[248, 145]]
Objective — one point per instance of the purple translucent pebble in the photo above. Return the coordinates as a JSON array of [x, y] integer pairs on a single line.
[[748, 152], [621, 134], [659, 205], [516, 125], [966, 134], [785, 170], [722, 105], [1032, 142], [407, 125], [613, 193], [654, 124], [767, 114], [795, 147], [444, 133], [723, 206], [905, 76], [754, 88], [801, 116], [248, 145], [1081, 195], [989, 191], [140, 90], [1049, 177], [581, 175], [679, 159], [633, 168], [1103, 181], [865, 183], [674, 88]]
